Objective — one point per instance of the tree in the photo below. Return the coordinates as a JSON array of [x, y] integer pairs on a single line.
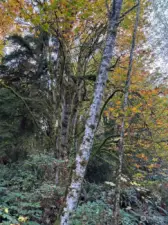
[[62, 65], [83, 154], [9, 10], [124, 108], [20, 78], [50, 74]]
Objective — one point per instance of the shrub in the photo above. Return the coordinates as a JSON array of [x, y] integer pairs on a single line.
[[27, 190], [92, 213]]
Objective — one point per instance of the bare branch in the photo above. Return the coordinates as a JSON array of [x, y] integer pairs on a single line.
[[128, 11]]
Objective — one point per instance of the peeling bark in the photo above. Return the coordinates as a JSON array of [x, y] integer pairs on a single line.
[[124, 106], [83, 154]]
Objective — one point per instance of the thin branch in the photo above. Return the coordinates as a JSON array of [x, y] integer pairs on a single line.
[[114, 65], [106, 102], [115, 137], [128, 11], [107, 7]]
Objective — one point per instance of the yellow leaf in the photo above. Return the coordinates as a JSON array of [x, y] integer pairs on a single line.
[[154, 159], [22, 219], [135, 110], [159, 122], [118, 102], [6, 210], [111, 109], [106, 113]]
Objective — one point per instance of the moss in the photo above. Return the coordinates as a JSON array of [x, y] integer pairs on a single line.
[[88, 139], [80, 153], [92, 126], [57, 222], [83, 163], [76, 177]]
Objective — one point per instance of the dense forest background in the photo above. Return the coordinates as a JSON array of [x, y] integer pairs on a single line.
[[83, 112]]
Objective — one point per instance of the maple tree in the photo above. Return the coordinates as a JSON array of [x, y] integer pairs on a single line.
[[146, 115], [9, 11], [52, 70]]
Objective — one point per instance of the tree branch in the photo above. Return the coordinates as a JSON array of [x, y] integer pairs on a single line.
[[106, 102], [115, 137], [128, 11]]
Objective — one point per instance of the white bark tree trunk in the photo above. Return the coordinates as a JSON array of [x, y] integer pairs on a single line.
[[83, 154]]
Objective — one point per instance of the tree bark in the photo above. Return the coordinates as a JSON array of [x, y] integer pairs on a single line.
[[83, 154], [124, 106]]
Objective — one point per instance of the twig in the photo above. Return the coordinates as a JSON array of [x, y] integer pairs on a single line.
[[128, 11], [106, 102]]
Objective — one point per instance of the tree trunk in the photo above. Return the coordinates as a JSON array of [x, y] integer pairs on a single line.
[[124, 106], [63, 136], [83, 154]]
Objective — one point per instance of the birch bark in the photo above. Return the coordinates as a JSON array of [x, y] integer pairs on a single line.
[[83, 154], [124, 106]]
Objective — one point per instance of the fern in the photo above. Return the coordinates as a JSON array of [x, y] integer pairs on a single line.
[[128, 219]]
